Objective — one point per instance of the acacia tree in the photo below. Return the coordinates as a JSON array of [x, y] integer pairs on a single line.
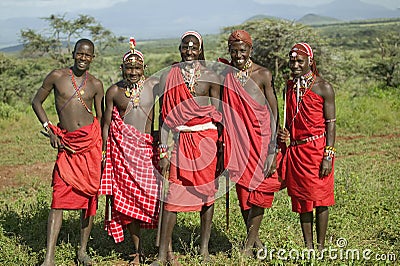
[[272, 40], [387, 61], [62, 31]]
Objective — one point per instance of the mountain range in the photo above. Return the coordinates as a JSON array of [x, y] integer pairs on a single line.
[[139, 19]]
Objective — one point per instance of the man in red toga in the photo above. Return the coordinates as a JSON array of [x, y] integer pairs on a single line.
[[250, 119], [76, 175], [310, 125], [129, 177], [187, 112]]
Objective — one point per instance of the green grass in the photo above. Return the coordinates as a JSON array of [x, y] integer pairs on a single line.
[[366, 213]]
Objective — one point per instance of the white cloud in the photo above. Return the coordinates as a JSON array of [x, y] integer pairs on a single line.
[[38, 8]]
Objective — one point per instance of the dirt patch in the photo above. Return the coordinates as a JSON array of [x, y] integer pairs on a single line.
[[16, 175], [390, 136]]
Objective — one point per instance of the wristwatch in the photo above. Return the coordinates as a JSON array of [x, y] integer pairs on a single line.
[[328, 158]]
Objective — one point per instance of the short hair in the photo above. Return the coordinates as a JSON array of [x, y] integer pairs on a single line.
[[84, 41]]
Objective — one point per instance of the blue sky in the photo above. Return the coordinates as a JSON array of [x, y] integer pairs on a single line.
[[40, 8], [154, 19]]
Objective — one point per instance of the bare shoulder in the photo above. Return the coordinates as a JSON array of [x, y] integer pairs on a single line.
[[58, 73], [94, 80], [113, 89], [260, 70], [210, 76], [151, 81], [323, 88]]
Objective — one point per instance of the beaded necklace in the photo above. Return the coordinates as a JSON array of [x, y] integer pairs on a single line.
[[190, 76], [79, 90], [303, 85], [243, 75], [133, 91]]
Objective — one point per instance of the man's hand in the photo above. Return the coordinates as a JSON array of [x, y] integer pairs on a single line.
[[326, 167], [283, 135], [164, 165], [270, 165]]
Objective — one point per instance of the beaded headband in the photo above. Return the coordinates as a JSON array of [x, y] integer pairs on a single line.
[[301, 48], [129, 57], [193, 33]]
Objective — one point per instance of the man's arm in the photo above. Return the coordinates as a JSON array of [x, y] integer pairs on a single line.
[[215, 90], [99, 99], [163, 129], [42, 94], [37, 103], [270, 95], [108, 113], [328, 94]]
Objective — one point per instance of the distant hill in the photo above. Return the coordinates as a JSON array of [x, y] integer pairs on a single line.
[[257, 17], [313, 19], [168, 21], [12, 49]]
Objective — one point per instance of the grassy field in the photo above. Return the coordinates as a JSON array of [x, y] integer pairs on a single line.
[[363, 226]]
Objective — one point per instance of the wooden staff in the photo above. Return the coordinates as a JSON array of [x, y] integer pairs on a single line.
[[160, 214], [221, 148], [65, 146], [227, 201], [284, 107]]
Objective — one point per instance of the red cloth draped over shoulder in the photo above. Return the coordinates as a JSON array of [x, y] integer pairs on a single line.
[[82, 169], [303, 161], [180, 107], [194, 161], [129, 176], [247, 134]]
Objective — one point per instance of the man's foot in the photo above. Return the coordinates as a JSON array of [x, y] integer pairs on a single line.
[[137, 258], [206, 258], [158, 263], [83, 259], [47, 263], [247, 253], [172, 259]]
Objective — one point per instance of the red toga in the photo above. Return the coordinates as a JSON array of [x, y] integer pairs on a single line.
[[303, 161], [247, 134], [129, 176], [193, 160], [76, 176]]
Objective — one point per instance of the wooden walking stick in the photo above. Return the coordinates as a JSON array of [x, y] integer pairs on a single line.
[[160, 214], [222, 170], [227, 201], [284, 107]]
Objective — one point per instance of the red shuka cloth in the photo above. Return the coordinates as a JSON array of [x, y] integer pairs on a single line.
[[247, 134], [81, 170], [303, 161], [129, 176], [193, 161]]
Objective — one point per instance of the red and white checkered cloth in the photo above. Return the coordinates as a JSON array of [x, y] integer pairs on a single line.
[[130, 177]]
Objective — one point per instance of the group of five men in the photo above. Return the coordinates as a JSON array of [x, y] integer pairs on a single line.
[[226, 120]]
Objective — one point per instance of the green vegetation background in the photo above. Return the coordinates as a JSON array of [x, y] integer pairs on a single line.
[[367, 186]]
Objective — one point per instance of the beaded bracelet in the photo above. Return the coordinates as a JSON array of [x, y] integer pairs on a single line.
[[329, 151], [163, 150], [103, 155], [46, 126]]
